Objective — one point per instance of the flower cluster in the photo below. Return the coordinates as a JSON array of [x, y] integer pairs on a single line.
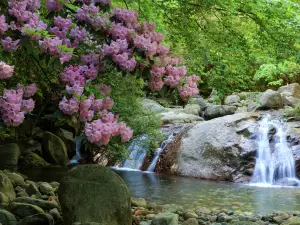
[[190, 88], [54, 5], [9, 45], [3, 25], [14, 105], [6, 71]]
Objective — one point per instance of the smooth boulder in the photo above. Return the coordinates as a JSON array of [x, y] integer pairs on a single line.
[[38, 219], [45, 205], [7, 218], [217, 149], [232, 99], [94, 193], [165, 219], [55, 149], [215, 111], [23, 210], [32, 160], [9, 155], [270, 100], [294, 89]]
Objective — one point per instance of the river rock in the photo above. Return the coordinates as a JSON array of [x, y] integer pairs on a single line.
[[45, 205], [7, 218], [199, 101], [152, 105], [192, 109], [54, 213], [32, 189], [172, 208], [139, 202], [190, 214], [23, 210], [16, 179], [214, 111], [6, 187], [292, 221], [232, 99], [202, 210], [270, 100], [45, 188], [217, 148], [38, 219], [3, 199], [191, 221], [175, 117], [32, 160], [94, 193], [294, 89], [9, 156], [55, 149], [166, 218]]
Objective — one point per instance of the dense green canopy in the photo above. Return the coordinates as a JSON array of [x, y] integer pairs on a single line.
[[234, 45]]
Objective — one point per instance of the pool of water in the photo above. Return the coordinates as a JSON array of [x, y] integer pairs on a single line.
[[193, 193]]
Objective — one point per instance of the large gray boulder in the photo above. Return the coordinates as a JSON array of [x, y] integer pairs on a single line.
[[289, 100], [9, 155], [152, 105], [215, 111], [232, 99], [270, 100], [294, 89], [94, 193], [55, 150], [7, 218], [217, 149]]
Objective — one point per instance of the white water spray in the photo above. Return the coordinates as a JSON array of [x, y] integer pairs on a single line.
[[275, 164]]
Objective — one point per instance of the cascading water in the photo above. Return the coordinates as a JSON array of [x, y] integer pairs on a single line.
[[275, 164], [159, 151], [76, 157], [138, 151]]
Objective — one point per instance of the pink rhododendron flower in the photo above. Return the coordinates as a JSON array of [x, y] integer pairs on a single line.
[[9, 45], [6, 71]]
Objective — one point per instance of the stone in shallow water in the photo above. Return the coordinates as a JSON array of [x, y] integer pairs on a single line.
[[23, 210], [139, 202], [190, 214], [191, 221], [7, 218], [166, 218], [172, 208], [292, 221]]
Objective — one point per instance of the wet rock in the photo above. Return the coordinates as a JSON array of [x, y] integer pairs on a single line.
[[139, 202], [22, 193], [38, 219], [35, 146], [166, 218], [55, 185], [55, 149], [202, 210], [15, 178], [152, 105], [9, 156], [292, 221], [199, 101], [69, 140], [172, 208], [151, 206], [191, 221], [175, 117], [23, 210], [45, 188], [190, 214], [7, 218], [6, 186], [150, 216], [45, 205], [94, 193]]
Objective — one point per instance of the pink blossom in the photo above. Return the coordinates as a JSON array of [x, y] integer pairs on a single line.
[[54, 5], [6, 71], [105, 89], [9, 45], [27, 105], [3, 25], [65, 57], [70, 106]]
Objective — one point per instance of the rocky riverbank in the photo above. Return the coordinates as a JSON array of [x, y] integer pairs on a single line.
[[24, 202]]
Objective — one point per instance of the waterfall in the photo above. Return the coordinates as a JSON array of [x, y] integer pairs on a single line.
[[275, 163], [138, 151], [159, 151], [77, 156]]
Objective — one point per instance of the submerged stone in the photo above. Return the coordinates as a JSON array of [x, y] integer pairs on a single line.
[[166, 218]]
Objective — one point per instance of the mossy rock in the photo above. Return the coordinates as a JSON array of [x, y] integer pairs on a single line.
[[9, 155], [38, 219], [292, 221], [23, 210], [16, 179], [45, 205], [6, 187], [7, 218], [55, 150], [32, 160], [94, 193]]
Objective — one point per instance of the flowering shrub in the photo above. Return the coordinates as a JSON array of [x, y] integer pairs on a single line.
[[78, 47]]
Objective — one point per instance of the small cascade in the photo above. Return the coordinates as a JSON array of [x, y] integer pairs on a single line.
[[76, 157], [159, 151], [138, 151], [275, 164]]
